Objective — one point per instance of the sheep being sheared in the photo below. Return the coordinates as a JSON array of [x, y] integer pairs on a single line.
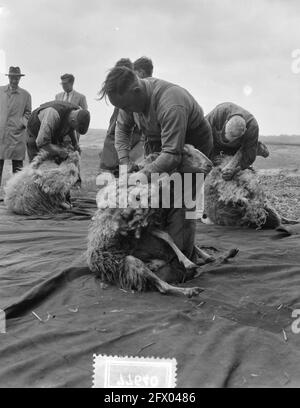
[[115, 235], [238, 202], [42, 187]]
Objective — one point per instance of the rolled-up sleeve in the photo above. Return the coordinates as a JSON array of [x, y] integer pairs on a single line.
[[124, 126], [49, 123], [173, 131]]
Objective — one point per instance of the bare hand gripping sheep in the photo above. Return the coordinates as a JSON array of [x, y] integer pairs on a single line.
[[238, 202], [115, 234], [42, 186]]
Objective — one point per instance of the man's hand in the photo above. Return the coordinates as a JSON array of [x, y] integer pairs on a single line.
[[77, 149], [217, 160], [229, 172], [132, 167], [62, 153], [56, 151]]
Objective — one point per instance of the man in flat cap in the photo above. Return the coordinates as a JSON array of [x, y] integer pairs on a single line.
[[15, 109], [235, 133], [51, 123], [70, 95]]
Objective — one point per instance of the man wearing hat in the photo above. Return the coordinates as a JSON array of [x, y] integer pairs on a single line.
[[51, 123], [235, 133], [15, 109]]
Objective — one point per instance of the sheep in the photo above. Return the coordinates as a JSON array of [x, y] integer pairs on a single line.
[[42, 187], [193, 161], [238, 202], [123, 248]]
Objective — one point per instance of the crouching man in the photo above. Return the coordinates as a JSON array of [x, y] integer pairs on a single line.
[[51, 123], [235, 133], [169, 117]]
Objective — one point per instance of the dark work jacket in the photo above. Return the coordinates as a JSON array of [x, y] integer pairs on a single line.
[[218, 118], [63, 109]]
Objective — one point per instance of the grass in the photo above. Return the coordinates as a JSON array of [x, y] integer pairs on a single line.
[[280, 176], [283, 190]]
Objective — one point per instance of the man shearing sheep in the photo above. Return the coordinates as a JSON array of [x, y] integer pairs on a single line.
[[169, 117], [49, 124], [235, 133]]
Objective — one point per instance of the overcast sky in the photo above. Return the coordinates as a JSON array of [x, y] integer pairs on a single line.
[[220, 50]]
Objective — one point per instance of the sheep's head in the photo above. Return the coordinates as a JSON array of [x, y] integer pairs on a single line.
[[194, 161], [131, 219]]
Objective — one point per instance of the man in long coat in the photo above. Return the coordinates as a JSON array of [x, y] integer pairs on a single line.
[[15, 109]]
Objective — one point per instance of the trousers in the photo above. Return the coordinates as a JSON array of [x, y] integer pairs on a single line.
[[17, 165]]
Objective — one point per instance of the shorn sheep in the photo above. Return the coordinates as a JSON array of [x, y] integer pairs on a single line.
[[129, 248], [42, 187], [238, 202]]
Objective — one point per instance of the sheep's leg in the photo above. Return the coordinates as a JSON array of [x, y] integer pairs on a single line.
[[230, 254], [218, 261], [209, 259], [134, 267], [288, 221], [169, 240], [65, 206], [204, 255]]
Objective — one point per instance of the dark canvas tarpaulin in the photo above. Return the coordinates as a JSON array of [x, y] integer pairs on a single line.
[[241, 336]]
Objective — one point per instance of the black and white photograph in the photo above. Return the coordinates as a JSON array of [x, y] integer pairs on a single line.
[[149, 197]]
